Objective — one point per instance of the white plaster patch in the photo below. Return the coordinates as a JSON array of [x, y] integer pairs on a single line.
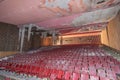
[[103, 15], [63, 4]]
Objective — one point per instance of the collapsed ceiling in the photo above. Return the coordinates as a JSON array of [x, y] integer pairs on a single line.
[[58, 14]]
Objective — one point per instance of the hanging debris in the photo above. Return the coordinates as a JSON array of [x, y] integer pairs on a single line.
[[22, 38], [22, 29], [29, 31]]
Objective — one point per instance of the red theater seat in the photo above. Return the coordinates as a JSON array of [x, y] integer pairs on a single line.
[[76, 76], [94, 77], [60, 74], [84, 76], [67, 75]]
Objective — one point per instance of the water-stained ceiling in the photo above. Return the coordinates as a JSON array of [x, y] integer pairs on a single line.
[[58, 14]]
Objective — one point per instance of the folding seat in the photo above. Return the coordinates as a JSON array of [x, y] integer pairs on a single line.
[[18, 68], [91, 63], [116, 69], [13, 66], [104, 78], [60, 74], [92, 70], [54, 71], [23, 69], [112, 76], [109, 71], [94, 77], [101, 73], [84, 76], [3, 65], [78, 69], [76, 76], [36, 70], [84, 69], [79, 63], [107, 66], [67, 75], [8, 66], [85, 64], [26, 69], [71, 68], [61, 67], [65, 67], [47, 72], [73, 63], [98, 65], [53, 76]]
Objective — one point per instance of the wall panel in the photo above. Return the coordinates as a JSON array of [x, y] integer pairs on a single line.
[[82, 40], [104, 37], [7, 53], [8, 37], [113, 30], [46, 41]]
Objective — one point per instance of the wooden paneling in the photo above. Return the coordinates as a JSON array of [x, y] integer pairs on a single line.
[[113, 30], [46, 41], [8, 53], [104, 37], [82, 40]]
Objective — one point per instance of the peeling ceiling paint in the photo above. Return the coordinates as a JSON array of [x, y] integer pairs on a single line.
[[97, 16], [103, 15], [63, 4], [54, 14]]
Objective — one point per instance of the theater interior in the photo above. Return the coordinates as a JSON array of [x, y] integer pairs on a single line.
[[59, 39]]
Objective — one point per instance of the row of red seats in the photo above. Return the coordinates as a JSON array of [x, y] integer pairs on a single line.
[[73, 59], [53, 74]]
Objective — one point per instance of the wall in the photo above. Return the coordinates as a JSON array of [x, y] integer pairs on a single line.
[[46, 41], [26, 43], [82, 40], [104, 37], [8, 39], [113, 33], [7, 53], [35, 42]]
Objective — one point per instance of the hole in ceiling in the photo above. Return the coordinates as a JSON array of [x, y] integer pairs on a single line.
[[101, 1]]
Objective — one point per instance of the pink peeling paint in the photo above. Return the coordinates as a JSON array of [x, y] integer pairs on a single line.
[[58, 21], [23, 11]]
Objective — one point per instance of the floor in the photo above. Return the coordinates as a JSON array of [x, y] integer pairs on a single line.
[[63, 63]]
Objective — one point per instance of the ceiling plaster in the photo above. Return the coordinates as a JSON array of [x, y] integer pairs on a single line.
[[57, 14]]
